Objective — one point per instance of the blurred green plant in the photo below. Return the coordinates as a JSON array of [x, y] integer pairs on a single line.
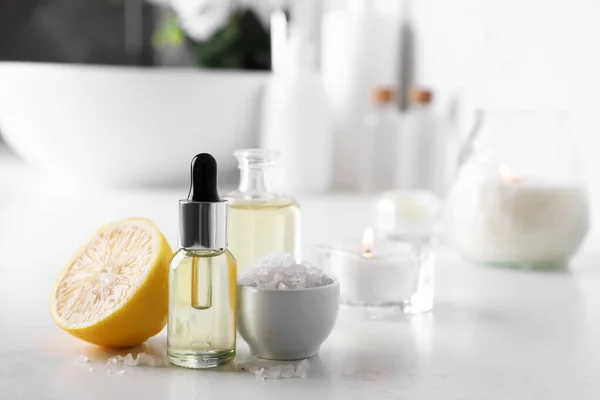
[[242, 43], [169, 34]]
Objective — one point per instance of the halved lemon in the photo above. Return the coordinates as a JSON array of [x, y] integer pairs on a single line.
[[114, 290]]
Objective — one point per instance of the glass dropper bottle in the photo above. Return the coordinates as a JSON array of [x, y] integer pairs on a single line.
[[202, 277]]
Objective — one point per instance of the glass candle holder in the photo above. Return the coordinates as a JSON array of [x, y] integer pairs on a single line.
[[386, 273]]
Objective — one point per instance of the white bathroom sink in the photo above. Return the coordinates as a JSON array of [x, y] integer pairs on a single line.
[[123, 126]]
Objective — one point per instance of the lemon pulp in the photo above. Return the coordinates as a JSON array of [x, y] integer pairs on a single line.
[[114, 290]]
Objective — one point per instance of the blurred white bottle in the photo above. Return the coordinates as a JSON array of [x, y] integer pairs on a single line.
[[360, 48], [426, 147], [379, 143], [296, 118]]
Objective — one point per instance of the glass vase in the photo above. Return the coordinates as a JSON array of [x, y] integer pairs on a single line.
[[519, 198]]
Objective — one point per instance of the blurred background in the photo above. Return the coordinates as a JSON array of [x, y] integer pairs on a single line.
[[479, 116], [133, 80]]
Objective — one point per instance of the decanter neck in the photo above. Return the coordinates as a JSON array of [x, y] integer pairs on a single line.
[[257, 167]]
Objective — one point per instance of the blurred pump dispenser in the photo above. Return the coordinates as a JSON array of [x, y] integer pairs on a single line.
[[362, 48], [426, 147], [379, 142], [296, 119]]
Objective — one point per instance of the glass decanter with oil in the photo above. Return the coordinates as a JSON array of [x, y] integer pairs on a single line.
[[202, 277], [261, 220]]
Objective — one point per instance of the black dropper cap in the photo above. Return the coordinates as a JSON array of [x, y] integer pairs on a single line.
[[203, 186], [203, 215]]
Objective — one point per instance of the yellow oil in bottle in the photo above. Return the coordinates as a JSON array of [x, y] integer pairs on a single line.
[[202, 308], [260, 227]]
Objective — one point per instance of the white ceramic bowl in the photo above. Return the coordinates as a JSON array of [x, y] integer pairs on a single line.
[[287, 324], [127, 125]]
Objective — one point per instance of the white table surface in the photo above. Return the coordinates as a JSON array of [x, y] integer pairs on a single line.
[[494, 334]]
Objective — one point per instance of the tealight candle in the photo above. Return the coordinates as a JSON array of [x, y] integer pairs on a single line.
[[382, 273]]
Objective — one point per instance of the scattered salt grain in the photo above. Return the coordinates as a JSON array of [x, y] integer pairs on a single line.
[[82, 359], [288, 371], [142, 359], [114, 360], [280, 271], [272, 373], [129, 361], [115, 369], [302, 368], [260, 374], [148, 360], [262, 369]]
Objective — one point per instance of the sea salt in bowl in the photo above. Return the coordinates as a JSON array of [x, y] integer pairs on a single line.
[[291, 322]]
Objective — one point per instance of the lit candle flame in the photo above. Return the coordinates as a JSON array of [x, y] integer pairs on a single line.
[[367, 243], [507, 174]]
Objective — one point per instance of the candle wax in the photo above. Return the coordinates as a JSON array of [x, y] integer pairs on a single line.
[[520, 222], [389, 276]]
